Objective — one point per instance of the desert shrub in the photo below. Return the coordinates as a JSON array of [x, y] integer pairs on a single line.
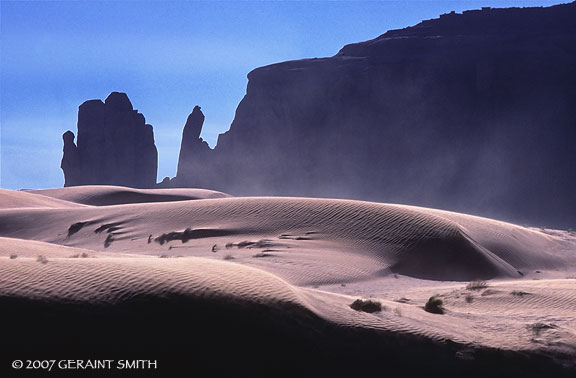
[[469, 298], [366, 305], [519, 293], [434, 305], [13, 256], [42, 259], [476, 285], [228, 257]]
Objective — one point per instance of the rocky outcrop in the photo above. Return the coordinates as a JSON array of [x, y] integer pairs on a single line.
[[470, 112], [70, 160], [194, 151], [115, 146]]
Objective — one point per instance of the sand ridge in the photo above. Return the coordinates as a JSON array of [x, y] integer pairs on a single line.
[[385, 238], [11, 199], [105, 195]]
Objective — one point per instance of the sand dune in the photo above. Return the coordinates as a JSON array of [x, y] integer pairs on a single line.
[[10, 199], [102, 195], [292, 267], [347, 240]]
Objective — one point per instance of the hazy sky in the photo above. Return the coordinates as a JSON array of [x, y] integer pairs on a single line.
[[168, 57]]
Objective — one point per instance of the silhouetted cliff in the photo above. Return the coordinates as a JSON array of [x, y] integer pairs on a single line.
[[194, 151], [115, 146], [470, 112]]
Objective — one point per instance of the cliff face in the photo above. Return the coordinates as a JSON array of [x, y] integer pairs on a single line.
[[470, 112], [115, 146]]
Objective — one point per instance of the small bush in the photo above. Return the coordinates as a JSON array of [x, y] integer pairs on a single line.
[[476, 285], [13, 256], [83, 255], [469, 298], [366, 305], [518, 293], [434, 305], [42, 259], [228, 257]]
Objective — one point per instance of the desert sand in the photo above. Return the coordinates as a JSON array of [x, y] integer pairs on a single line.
[[268, 282]]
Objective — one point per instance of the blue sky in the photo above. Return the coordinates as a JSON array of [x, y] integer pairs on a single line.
[[168, 57]]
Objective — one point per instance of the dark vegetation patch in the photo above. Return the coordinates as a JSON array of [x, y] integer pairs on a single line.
[[519, 293], [537, 328], [490, 292], [263, 243], [109, 240], [262, 254], [292, 237], [41, 259], [13, 256], [189, 234], [109, 227], [368, 305], [82, 255], [75, 227], [435, 305]]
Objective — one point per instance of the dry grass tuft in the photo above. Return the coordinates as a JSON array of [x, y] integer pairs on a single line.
[[476, 285]]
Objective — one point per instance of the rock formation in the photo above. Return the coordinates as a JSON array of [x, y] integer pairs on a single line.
[[471, 112], [194, 151], [115, 146]]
